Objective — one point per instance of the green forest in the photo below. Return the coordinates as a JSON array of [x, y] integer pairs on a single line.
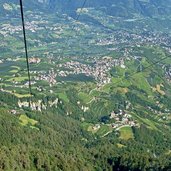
[[58, 143]]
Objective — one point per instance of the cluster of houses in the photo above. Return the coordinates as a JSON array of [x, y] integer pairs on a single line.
[[122, 118], [33, 26], [34, 60], [50, 77], [128, 38], [98, 70]]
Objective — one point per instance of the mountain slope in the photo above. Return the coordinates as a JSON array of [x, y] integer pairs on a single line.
[[122, 8], [115, 7]]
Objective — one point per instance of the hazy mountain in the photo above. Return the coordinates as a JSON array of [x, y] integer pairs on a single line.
[[11, 7], [114, 7], [122, 8]]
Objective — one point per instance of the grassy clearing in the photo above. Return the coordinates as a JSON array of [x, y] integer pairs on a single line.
[[168, 152], [122, 90], [158, 89], [120, 71], [22, 95], [18, 79], [116, 80], [63, 96], [90, 129], [126, 133], [106, 88], [104, 130], [98, 108], [85, 97], [33, 127], [16, 67], [22, 59], [6, 85], [120, 145], [14, 71], [86, 125], [121, 82], [151, 124], [141, 82], [26, 120], [16, 94], [95, 93]]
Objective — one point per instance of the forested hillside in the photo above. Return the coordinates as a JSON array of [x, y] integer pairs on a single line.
[[100, 85], [58, 143]]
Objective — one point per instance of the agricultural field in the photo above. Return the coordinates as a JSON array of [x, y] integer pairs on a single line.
[[126, 133]]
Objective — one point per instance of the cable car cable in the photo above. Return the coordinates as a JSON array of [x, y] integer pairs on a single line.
[[25, 45]]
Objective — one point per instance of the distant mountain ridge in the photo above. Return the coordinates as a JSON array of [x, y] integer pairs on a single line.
[[121, 8]]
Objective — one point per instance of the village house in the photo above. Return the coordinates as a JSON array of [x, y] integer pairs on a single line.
[[34, 60]]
